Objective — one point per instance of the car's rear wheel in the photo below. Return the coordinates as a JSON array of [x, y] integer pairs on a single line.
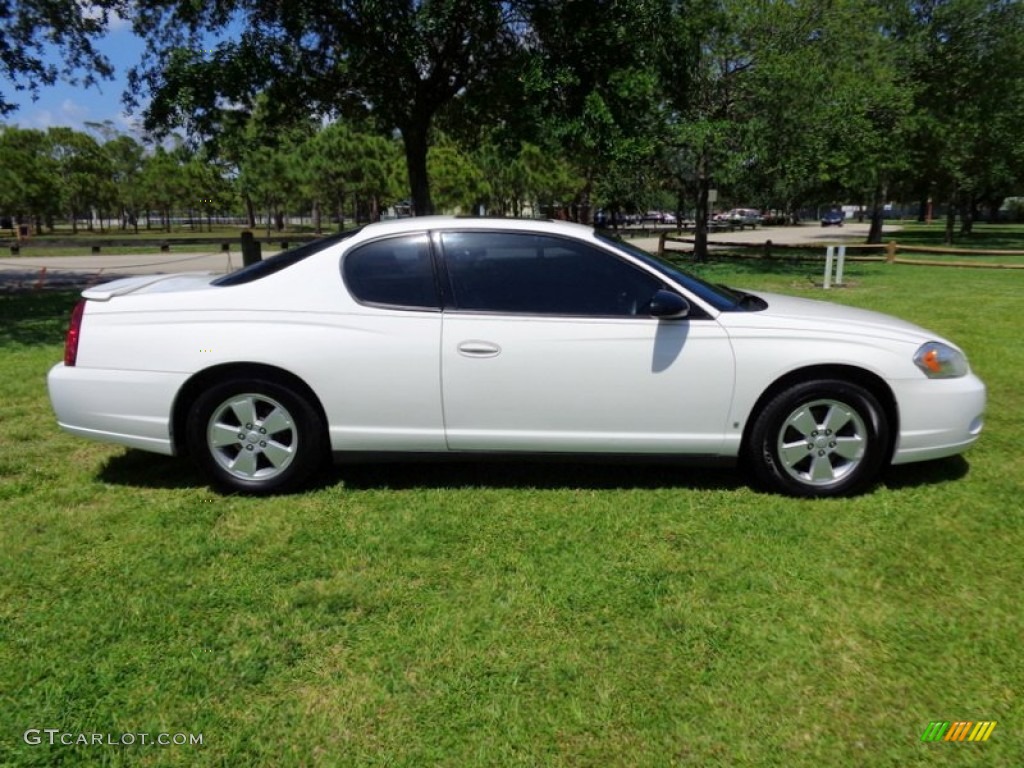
[[255, 436], [819, 438]]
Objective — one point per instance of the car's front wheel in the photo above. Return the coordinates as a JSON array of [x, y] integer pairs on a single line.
[[819, 438], [255, 436]]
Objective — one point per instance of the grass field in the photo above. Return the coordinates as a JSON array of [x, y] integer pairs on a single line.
[[519, 614]]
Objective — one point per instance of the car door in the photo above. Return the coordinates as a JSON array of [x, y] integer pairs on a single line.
[[549, 346], [385, 388]]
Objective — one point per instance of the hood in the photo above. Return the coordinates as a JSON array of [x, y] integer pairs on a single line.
[[795, 313]]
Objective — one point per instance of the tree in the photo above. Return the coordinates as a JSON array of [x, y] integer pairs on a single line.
[[28, 176], [459, 183], [208, 188], [397, 62], [592, 93], [339, 161], [829, 108], [84, 174], [71, 26], [127, 159], [966, 59], [162, 185], [269, 176]]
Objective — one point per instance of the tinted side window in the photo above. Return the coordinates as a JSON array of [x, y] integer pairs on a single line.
[[542, 274], [396, 271]]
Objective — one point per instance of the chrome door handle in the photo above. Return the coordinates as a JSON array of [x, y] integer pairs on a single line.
[[479, 349]]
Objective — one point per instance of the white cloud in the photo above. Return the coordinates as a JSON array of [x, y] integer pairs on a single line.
[[73, 112], [42, 119]]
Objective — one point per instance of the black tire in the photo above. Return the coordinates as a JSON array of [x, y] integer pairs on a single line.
[[819, 438], [279, 440]]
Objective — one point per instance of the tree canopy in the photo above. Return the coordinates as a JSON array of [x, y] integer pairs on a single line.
[[550, 106], [69, 26]]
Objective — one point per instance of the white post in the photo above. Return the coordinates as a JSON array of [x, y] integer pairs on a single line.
[[828, 267], [839, 264]]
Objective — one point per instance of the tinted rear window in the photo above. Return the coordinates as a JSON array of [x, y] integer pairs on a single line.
[[395, 271], [281, 261]]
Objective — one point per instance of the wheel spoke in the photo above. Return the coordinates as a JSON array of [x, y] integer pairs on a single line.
[[803, 422], [821, 469], [244, 464], [277, 454], [244, 409], [850, 448], [838, 417], [277, 421], [793, 453], [222, 435]]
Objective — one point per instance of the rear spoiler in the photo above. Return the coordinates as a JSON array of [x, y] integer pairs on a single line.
[[127, 285]]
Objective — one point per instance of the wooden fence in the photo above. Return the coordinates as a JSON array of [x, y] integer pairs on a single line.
[[887, 252], [145, 244]]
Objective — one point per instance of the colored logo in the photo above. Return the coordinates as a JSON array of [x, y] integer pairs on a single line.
[[962, 730]]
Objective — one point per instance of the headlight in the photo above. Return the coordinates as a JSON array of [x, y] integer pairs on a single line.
[[940, 361]]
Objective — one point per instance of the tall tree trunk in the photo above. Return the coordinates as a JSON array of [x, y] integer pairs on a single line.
[[250, 211], [316, 218], [414, 138], [700, 235], [584, 214], [994, 205], [922, 206], [951, 215], [877, 201], [967, 213]]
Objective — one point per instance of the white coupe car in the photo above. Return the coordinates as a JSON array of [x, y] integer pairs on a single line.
[[449, 336]]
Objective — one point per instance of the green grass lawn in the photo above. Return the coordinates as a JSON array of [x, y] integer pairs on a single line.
[[518, 614], [983, 236]]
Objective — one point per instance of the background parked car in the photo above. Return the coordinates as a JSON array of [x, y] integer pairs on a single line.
[[833, 218], [659, 217], [747, 217]]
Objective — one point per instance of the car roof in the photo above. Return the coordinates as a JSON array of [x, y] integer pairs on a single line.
[[420, 223]]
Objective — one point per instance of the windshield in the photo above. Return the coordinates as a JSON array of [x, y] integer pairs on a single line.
[[721, 298], [281, 261]]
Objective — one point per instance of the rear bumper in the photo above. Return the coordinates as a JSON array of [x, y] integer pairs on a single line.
[[130, 408], [938, 418]]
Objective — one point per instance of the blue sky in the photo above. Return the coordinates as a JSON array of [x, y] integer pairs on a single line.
[[74, 105]]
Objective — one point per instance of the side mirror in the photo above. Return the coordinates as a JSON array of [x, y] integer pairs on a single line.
[[668, 305]]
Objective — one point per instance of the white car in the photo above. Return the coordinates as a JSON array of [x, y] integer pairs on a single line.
[[745, 217], [462, 336]]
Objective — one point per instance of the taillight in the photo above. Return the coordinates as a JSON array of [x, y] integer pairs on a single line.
[[74, 333]]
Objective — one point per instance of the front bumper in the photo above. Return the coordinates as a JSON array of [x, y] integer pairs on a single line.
[[938, 417]]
